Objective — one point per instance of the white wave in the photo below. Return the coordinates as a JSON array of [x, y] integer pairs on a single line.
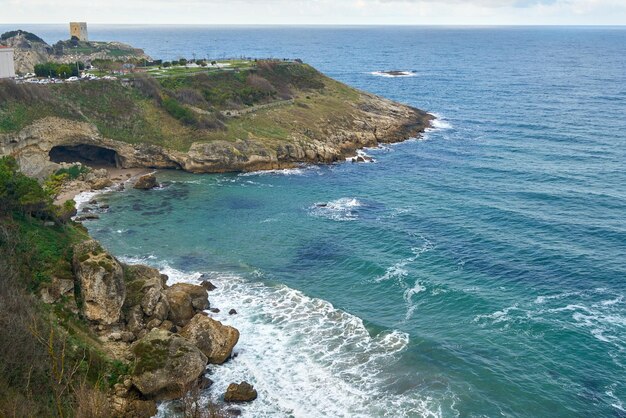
[[398, 272], [305, 357], [439, 123], [298, 171], [83, 198], [343, 209], [600, 312], [361, 153], [396, 74]]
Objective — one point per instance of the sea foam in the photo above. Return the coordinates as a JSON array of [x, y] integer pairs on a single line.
[[305, 357]]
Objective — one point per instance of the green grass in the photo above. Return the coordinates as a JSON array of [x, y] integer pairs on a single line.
[[47, 248], [165, 115]]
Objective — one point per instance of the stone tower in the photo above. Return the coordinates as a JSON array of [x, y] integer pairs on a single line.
[[79, 30]]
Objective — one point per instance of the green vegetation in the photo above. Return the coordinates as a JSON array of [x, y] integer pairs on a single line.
[[50, 362], [175, 110], [53, 69], [29, 36]]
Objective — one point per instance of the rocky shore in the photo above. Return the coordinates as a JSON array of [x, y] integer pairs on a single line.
[[165, 333]]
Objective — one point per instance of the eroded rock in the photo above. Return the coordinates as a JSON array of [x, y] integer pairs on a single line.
[[166, 365], [243, 392], [185, 301], [213, 338], [101, 281], [146, 182]]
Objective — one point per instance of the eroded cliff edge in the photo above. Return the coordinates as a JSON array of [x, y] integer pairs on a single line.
[[269, 115]]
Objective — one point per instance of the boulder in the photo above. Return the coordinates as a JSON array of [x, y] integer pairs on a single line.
[[101, 280], [100, 184], [146, 182], [232, 312], [185, 300], [243, 392], [166, 365], [215, 340]]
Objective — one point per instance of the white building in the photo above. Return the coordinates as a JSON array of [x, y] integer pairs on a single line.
[[7, 65]]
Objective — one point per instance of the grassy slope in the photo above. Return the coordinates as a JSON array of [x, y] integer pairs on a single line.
[[137, 114]]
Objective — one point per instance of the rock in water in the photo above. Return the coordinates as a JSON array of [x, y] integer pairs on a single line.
[[215, 340], [243, 392], [101, 280], [166, 365], [146, 182]]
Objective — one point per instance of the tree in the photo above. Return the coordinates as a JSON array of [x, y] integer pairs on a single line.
[[64, 71]]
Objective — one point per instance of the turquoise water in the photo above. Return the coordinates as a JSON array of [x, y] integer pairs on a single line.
[[479, 271]]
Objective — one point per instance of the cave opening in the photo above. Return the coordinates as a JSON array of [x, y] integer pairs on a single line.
[[90, 155]]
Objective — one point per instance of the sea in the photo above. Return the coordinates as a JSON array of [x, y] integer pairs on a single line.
[[476, 271]]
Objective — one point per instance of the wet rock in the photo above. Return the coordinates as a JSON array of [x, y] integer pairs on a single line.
[[204, 383], [88, 217], [213, 338], [232, 312], [101, 280], [100, 184], [215, 310], [166, 364], [146, 182], [243, 392], [208, 286]]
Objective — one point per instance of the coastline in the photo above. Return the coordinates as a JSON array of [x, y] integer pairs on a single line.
[[116, 176]]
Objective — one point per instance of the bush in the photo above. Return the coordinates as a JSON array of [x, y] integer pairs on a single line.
[[178, 111], [74, 171], [21, 193]]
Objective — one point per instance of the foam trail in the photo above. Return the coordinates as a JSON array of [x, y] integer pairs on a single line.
[[343, 209], [305, 357], [394, 74]]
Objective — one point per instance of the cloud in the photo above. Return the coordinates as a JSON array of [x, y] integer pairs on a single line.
[[477, 12]]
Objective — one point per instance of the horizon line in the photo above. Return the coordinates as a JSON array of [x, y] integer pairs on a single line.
[[328, 24]]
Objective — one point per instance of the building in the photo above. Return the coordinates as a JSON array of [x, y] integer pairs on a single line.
[[79, 30], [7, 64]]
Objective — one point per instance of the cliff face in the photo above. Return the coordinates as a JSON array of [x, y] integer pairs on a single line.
[[321, 121], [29, 50]]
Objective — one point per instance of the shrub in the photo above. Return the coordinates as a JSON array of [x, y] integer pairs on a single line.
[[178, 111]]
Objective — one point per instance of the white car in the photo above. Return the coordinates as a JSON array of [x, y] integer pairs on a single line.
[[73, 78]]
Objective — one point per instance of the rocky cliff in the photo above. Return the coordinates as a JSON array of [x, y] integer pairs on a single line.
[[31, 50], [322, 121]]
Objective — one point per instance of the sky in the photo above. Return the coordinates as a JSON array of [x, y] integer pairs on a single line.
[[332, 12]]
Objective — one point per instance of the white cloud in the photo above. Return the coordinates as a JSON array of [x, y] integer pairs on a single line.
[[319, 11]]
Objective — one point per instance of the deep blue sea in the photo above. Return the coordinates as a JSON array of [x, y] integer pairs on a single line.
[[479, 271]]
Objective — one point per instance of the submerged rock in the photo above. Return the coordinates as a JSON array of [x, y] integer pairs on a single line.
[[166, 365], [101, 280], [213, 338], [146, 182], [243, 392]]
